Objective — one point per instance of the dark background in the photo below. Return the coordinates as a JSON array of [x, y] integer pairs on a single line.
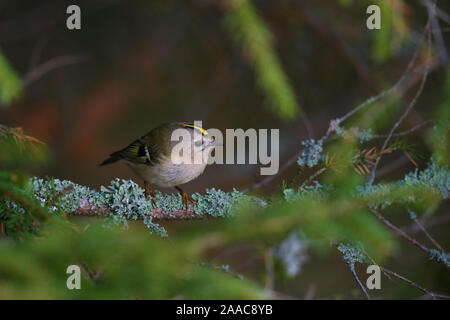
[[137, 64]]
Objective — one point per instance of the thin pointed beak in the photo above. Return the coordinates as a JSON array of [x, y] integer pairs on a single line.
[[216, 144], [212, 144]]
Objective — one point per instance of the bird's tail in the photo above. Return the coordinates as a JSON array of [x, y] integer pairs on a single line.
[[114, 157]]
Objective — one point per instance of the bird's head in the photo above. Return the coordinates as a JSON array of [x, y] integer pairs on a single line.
[[195, 142]]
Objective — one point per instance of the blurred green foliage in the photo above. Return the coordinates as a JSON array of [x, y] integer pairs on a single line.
[[441, 130], [18, 151], [116, 265], [249, 31], [21, 214], [383, 38], [10, 83]]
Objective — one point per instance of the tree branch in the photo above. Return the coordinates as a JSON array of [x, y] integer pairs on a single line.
[[88, 209]]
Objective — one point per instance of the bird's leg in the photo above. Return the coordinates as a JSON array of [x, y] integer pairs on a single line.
[[185, 199], [149, 192]]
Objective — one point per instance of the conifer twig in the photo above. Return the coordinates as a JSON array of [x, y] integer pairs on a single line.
[[404, 133], [413, 102], [400, 232], [433, 222], [336, 122], [88, 209], [437, 245], [412, 283], [363, 288], [50, 65]]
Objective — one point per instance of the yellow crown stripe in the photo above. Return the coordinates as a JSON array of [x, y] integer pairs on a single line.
[[203, 131]]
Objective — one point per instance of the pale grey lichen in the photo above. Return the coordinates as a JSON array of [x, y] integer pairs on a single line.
[[293, 253], [60, 194], [154, 227], [311, 154], [168, 202], [127, 201], [380, 196], [124, 200], [412, 215], [11, 205], [316, 191], [363, 135], [224, 267], [439, 256], [433, 176], [351, 254], [218, 203], [340, 131], [377, 196], [290, 194]]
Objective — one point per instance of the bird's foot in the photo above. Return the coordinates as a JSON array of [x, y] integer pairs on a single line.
[[149, 193], [185, 199]]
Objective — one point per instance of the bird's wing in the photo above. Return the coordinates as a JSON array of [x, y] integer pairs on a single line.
[[141, 151]]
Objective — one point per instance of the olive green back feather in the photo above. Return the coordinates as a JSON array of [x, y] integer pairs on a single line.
[[147, 149]]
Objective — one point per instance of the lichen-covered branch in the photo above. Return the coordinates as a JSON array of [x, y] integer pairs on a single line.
[[88, 209], [353, 254], [124, 200]]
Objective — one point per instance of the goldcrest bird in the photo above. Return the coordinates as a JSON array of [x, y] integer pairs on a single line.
[[151, 158]]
